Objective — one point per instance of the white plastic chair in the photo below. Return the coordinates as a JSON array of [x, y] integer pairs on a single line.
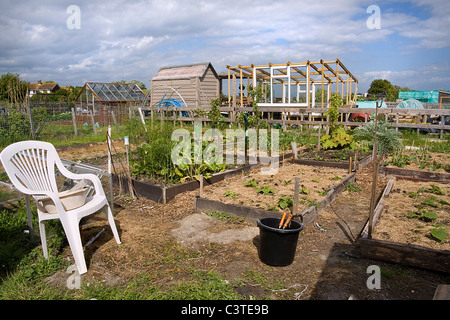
[[30, 166]]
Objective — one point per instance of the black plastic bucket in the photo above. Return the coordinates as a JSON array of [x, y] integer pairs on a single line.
[[277, 246]]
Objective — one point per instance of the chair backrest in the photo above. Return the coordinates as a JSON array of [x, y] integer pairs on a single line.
[[30, 165]]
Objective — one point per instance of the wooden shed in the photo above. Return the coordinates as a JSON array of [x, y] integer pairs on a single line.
[[195, 85]]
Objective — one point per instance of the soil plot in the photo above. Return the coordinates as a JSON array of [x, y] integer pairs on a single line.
[[416, 213], [269, 191]]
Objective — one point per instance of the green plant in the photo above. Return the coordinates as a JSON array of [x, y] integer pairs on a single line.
[[338, 138], [423, 215], [223, 216], [436, 190], [430, 202], [413, 195], [14, 126], [266, 190], [312, 203], [439, 233], [154, 159], [285, 202], [304, 191], [251, 183], [214, 113], [401, 160], [387, 138], [352, 187], [336, 103], [231, 194]]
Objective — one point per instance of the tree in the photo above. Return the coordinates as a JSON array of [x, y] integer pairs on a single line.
[[380, 86], [383, 86], [140, 84], [12, 88]]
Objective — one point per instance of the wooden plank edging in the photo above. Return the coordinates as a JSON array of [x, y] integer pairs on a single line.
[[165, 194], [252, 214], [405, 254], [401, 253], [415, 174]]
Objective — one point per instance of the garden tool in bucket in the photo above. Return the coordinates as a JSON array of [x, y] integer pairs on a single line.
[[278, 239]]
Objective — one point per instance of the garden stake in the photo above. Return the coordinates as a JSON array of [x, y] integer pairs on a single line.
[[133, 190], [375, 174], [201, 186], [130, 184], [296, 193]]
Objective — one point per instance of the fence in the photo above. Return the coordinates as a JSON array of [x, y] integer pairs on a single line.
[[431, 119]]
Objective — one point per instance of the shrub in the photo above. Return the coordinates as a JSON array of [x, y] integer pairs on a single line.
[[388, 139], [338, 138]]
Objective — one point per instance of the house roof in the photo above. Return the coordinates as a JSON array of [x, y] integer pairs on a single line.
[[187, 71], [44, 86]]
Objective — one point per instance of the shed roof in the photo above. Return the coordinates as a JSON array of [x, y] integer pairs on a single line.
[[187, 71]]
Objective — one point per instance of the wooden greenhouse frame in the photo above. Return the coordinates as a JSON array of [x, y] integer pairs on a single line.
[[104, 101], [297, 80]]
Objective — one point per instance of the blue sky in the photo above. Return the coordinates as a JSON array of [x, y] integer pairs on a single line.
[[132, 40]]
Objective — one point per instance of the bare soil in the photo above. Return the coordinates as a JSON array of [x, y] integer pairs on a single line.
[[168, 241], [408, 197], [315, 182], [429, 158]]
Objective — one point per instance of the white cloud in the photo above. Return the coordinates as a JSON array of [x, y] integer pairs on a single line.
[[121, 39], [426, 77]]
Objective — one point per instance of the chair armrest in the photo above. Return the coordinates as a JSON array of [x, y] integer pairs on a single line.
[[78, 176]]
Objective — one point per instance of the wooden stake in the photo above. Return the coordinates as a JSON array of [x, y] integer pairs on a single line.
[[318, 140], [350, 165], [294, 149], [93, 122], [74, 123], [375, 175], [114, 120], [201, 186], [108, 140], [130, 184], [296, 193]]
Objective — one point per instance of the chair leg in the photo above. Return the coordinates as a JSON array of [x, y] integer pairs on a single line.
[[43, 239], [74, 238], [112, 224]]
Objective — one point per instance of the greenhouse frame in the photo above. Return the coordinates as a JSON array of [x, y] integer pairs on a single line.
[[97, 97], [293, 84]]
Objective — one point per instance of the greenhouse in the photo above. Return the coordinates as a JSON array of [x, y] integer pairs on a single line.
[[410, 104], [95, 97], [422, 96], [109, 101]]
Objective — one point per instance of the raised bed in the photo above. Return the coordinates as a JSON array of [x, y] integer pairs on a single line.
[[252, 214], [398, 252], [415, 174], [328, 158], [162, 194]]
